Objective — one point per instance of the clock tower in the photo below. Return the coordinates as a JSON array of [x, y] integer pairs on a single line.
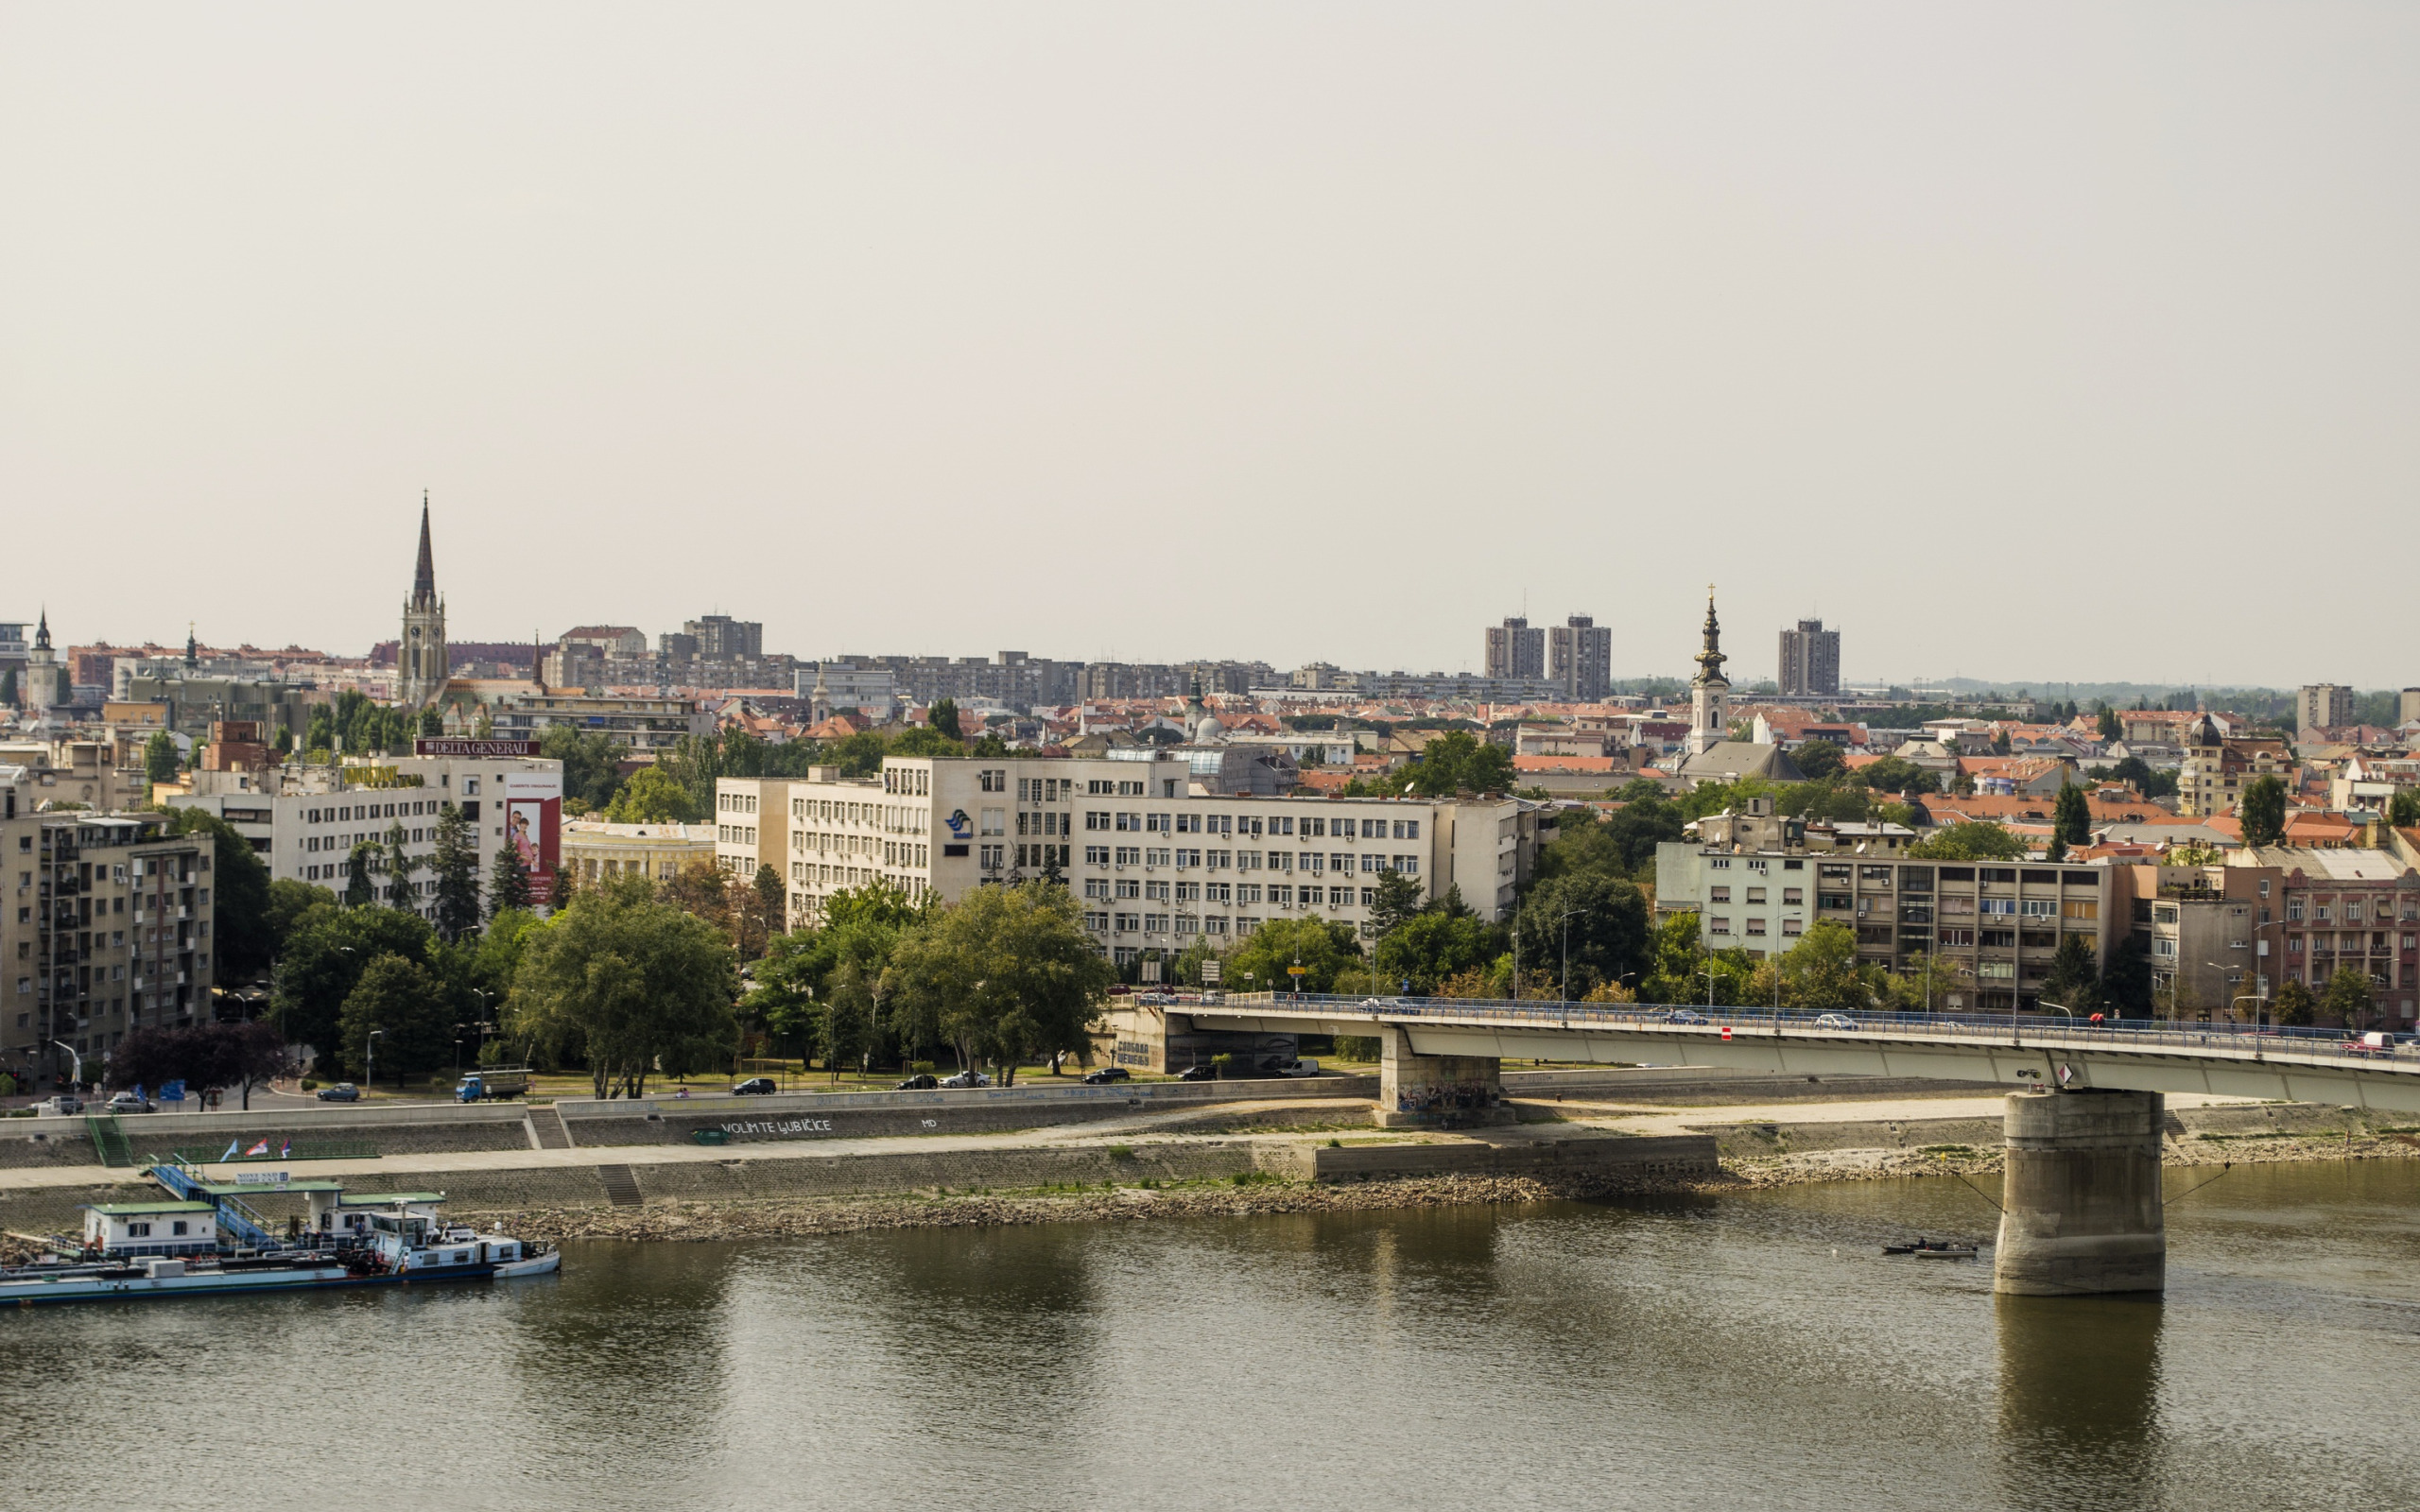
[[420, 662]]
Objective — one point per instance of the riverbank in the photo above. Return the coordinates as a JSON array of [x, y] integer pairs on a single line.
[[1262, 1194]]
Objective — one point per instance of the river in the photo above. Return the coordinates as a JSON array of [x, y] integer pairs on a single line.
[[1734, 1354]]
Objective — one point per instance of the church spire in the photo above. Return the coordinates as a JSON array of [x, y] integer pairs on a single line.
[[1710, 659], [42, 636], [425, 577]]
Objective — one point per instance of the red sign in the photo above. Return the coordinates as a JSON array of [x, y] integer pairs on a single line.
[[1726, 1031], [475, 747]]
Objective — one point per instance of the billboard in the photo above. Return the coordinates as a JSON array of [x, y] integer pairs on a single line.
[[427, 747], [533, 812]]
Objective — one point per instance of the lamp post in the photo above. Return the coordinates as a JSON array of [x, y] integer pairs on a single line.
[[76, 1075], [1566, 923]]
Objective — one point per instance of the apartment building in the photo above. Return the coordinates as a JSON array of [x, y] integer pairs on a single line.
[[107, 930], [2319, 706], [1988, 930], [1158, 863], [304, 821], [2338, 908], [1811, 661], [2219, 767], [1580, 658], [1515, 650], [752, 824], [2210, 934], [640, 724]]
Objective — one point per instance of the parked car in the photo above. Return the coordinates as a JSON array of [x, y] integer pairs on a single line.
[[1107, 1075], [1387, 1005], [63, 1103], [1834, 1020], [129, 1103], [1198, 1073], [967, 1078], [1684, 1016], [343, 1091], [756, 1087], [924, 1081], [1298, 1067]]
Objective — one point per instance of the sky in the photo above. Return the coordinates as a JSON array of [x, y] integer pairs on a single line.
[[2023, 342]]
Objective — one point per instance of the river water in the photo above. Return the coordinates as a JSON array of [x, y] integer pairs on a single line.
[[1734, 1353]]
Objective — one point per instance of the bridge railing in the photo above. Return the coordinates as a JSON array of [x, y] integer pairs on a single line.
[[1714, 1021]]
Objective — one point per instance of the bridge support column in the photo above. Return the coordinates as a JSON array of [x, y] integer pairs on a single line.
[[2081, 1206], [1437, 1092]]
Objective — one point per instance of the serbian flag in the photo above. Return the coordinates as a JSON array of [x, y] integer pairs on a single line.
[[232, 1146], [262, 1149], [286, 1150]]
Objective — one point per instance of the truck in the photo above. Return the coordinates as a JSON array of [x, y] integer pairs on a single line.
[[492, 1084]]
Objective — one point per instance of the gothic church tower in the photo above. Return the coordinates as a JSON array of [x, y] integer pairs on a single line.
[[420, 662]]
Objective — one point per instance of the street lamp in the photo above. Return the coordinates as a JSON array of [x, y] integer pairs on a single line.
[[1566, 923], [76, 1075]]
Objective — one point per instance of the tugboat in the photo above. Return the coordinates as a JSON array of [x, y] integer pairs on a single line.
[[204, 1240]]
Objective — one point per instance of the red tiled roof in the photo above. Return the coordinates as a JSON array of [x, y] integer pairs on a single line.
[[1565, 764]]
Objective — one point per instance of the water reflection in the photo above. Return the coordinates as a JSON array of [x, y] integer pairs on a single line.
[[2079, 1413]]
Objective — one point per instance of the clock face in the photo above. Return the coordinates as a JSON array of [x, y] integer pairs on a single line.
[[415, 632]]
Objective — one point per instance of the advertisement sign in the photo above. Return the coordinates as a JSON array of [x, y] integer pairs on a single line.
[[475, 747], [533, 810]]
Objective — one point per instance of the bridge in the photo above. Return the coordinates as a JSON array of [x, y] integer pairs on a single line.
[[2081, 1206]]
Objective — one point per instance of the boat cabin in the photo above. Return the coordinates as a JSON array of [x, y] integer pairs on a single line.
[[346, 1216], [152, 1227]]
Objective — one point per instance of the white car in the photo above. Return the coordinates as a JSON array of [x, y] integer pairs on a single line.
[[967, 1078], [1834, 1020]]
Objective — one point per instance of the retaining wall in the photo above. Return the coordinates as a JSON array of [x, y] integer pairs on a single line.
[[1682, 1155]]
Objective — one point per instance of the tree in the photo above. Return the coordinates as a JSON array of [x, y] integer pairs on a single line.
[[400, 864], [2403, 810], [1819, 973], [2074, 982], [1894, 774], [400, 1001], [774, 898], [925, 740], [943, 717], [1399, 898], [432, 724], [359, 893], [639, 983], [653, 797], [2072, 817], [288, 901], [560, 896], [246, 944], [8, 689], [1605, 933], [1435, 946], [241, 1056], [1322, 946], [324, 961], [455, 862], [1819, 759], [591, 774], [2109, 725], [1006, 973], [2263, 812], [507, 881], [1970, 841], [160, 758], [2348, 998], [2294, 1005], [1458, 761], [2126, 982]]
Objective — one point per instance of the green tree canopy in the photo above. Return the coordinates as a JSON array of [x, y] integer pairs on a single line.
[[454, 862], [591, 775], [1606, 932], [2403, 809], [1398, 897], [1821, 974], [1978, 840], [1894, 774], [2126, 982], [2294, 1005], [1819, 759], [641, 985], [943, 718], [2072, 817], [1433, 947], [410, 1009], [1458, 761], [1323, 946], [288, 901], [1006, 973], [2263, 812], [160, 758], [2349, 998], [2074, 982], [324, 957], [654, 795], [507, 881]]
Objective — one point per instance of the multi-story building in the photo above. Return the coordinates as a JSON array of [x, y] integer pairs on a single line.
[[1514, 651], [1580, 655], [752, 829], [1157, 864], [1986, 932], [720, 638], [2210, 933], [107, 930], [304, 820], [1810, 659], [642, 724], [2339, 908], [595, 851], [2321, 706], [2219, 767], [102, 775]]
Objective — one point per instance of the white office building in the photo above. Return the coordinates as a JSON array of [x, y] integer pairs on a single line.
[[1158, 863]]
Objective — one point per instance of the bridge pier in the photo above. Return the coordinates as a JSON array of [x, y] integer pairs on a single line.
[[2080, 1204], [1437, 1092]]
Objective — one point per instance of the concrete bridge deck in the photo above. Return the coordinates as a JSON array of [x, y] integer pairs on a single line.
[[2224, 1060]]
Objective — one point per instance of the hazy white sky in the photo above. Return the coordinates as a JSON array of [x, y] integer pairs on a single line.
[[2022, 341]]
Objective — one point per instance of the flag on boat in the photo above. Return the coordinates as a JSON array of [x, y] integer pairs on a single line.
[[233, 1146], [262, 1149]]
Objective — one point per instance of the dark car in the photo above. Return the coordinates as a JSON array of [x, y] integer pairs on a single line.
[[1107, 1075], [1684, 1016], [756, 1087], [1198, 1073], [343, 1091], [924, 1081]]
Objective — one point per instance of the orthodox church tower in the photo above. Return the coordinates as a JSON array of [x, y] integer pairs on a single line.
[[41, 681], [1709, 691], [420, 662]]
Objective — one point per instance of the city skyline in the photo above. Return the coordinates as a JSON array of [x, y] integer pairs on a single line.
[[1647, 299]]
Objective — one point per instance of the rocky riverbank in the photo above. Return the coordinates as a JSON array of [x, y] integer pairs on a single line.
[[1962, 1160]]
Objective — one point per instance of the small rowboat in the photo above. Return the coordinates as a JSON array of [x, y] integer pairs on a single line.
[[1934, 1249]]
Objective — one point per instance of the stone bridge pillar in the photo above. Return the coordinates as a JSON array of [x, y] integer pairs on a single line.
[[1437, 1092], [2081, 1206]]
